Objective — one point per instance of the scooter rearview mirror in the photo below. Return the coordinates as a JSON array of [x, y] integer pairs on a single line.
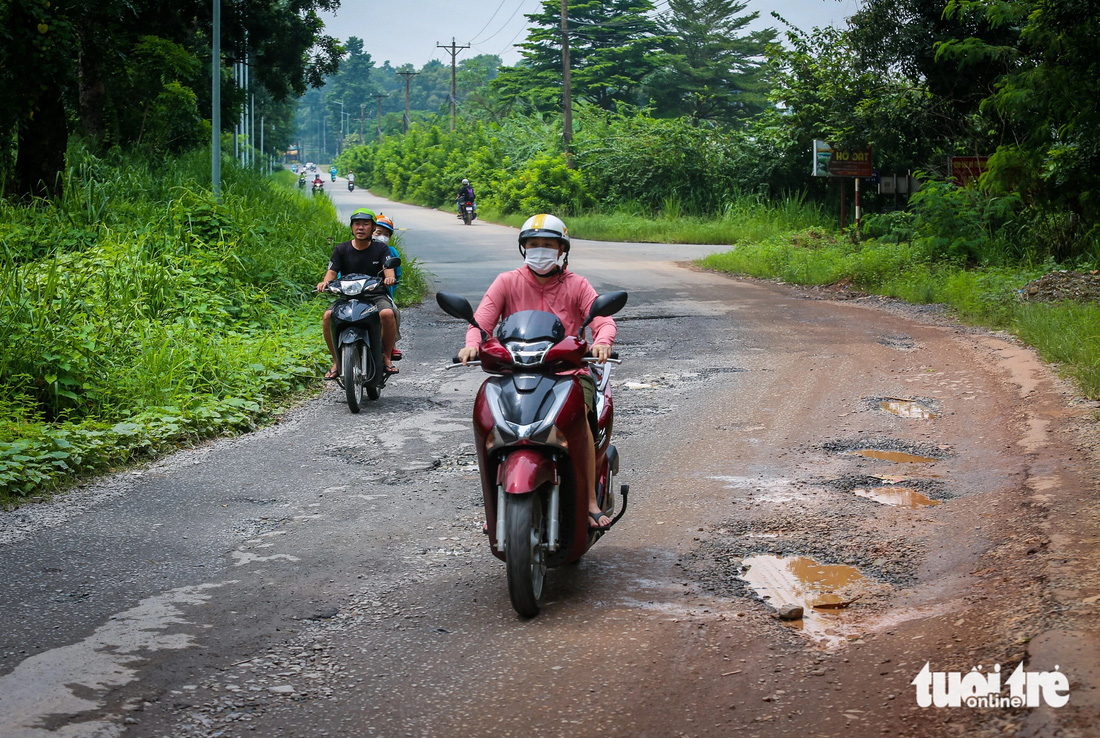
[[456, 306], [391, 262]]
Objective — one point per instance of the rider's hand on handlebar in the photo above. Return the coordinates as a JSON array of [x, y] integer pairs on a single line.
[[467, 353], [322, 285], [602, 352]]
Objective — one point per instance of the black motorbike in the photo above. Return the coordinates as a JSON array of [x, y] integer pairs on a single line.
[[466, 211], [357, 335], [302, 182], [351, 186]]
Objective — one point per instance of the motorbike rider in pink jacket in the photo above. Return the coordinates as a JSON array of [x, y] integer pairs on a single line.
[[545, 283]]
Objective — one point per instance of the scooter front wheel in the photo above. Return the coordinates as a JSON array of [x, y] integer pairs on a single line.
[[353, 376], [525, 557]]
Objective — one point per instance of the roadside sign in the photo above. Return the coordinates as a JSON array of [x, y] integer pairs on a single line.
[[965, 169], [830, 161]]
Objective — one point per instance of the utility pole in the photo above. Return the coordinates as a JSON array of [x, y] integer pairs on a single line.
[[362, 106], [567, 93], [454, 53], [407, 76], [216, 104], [378, 96], [340, 143]]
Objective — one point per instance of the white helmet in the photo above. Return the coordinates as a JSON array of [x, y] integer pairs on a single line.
[[465, 181], [547, 226]]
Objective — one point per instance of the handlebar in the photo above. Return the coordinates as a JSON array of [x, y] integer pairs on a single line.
[[456, 362]]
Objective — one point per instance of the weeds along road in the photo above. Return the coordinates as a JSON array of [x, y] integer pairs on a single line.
[[327, 576]]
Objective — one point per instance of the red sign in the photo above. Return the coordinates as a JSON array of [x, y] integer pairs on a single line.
[[850, 163], [966, 169]]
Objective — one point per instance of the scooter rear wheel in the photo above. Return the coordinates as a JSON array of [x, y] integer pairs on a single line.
[[525, 557], [353, 376]]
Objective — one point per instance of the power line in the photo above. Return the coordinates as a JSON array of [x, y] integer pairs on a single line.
[[494, 15], [513, 15]]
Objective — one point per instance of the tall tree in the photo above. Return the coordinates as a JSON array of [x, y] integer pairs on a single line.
[[118, 67], [613, 46], [1046, 96], [713, 66]]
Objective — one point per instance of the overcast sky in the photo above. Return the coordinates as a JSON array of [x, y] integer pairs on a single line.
[[407, 31]]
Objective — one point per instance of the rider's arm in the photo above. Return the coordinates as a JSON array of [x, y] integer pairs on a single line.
[[329, 276], [389, 277], [487, 314]]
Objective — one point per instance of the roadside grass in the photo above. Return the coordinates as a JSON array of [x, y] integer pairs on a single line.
[[1065, 333], [747, 218], [137, 315], [785, 239]]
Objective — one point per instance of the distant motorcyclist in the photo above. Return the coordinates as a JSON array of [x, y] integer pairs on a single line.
[[465, 195], [351, 176]]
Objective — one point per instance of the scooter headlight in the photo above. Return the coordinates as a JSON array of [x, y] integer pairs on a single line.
[[528, 353], [353, 287]]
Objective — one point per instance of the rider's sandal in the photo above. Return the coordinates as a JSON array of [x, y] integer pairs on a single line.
[[332, 374], [595, 524], [391, 370]]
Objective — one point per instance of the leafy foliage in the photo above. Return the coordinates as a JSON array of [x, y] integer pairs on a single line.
[[136, 73], [613, 46], [169, 317], [712, 67]]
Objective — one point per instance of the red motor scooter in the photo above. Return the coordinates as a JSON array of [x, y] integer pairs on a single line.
[[529, 430]]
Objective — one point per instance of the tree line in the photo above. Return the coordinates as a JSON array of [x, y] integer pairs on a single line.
[[136, 74], [917, 82]]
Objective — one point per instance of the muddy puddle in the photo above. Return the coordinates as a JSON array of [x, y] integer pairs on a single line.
[[906, 409], [824, 591], [906, 497], [899, 457]]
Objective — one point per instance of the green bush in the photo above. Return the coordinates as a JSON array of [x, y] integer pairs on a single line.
[[171, 318], [961, 225]]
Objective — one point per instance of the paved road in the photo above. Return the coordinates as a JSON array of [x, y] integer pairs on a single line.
[[327, 576]]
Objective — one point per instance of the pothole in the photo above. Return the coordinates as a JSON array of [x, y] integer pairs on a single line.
[[888, 449], [700, 375], [898, 457], [917, 408], [895, 490], [906, 497], [823, 591], [898, 342]]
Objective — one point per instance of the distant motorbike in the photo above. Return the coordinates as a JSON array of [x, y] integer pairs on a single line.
[[351, 186], [302, 182], [466, 211], [333, 176], [318, 187], [529, 432], [357, 336]]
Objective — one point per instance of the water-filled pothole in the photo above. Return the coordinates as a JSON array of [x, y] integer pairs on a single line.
[[824, 591], [888, 449], [896, 496], [906, 409]]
